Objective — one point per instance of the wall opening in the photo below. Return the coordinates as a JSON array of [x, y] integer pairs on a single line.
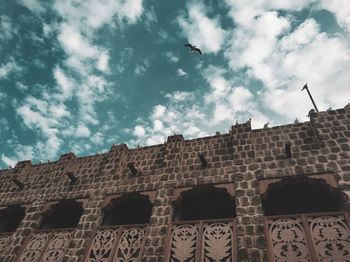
[[11, 217], [132, 208], [65, 214], [301, 195], [204, 202], [288, 151]]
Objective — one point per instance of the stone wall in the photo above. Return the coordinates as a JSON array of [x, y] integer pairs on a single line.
[[242, 157]]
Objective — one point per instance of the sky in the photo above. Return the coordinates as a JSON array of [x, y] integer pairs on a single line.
[[80, 75]]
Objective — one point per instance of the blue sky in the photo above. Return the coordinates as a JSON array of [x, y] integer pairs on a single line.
[[81, 75]]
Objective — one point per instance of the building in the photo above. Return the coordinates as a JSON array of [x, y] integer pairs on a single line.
[[272, 194]]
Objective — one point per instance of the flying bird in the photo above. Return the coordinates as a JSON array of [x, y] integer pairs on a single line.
[[193, 48]]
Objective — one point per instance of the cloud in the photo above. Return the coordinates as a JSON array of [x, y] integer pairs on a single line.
[[82, 131], [341, 10], [8, 161], [171, 57], [141, 69], [200, 30], [35, 6], [9, 68], [270, 48], [181, 72], [21, 152], [139, 131], [8, 30], [179, 96], [196, 114]]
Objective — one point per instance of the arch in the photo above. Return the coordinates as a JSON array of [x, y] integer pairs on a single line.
[[130, 208], [204, 202], [11, 217], [301, 194], [64, 214]]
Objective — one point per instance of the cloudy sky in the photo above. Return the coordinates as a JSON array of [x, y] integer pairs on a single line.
[[81, 75]]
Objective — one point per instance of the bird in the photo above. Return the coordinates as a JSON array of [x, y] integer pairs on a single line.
[[311, 112], [193, 48], [266, 126]]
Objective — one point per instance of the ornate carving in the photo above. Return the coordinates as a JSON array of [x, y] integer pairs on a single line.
[[183, 243], [331, 237], [4, 239], [57, 246], [129, 245], [288, 240], [217, 242], [102, 245], [34, 247]]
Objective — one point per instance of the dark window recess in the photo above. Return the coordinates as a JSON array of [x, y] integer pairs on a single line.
[[205, 202], [11, 217], [301, 196], [128, 209], [65, 214], [288, 151]]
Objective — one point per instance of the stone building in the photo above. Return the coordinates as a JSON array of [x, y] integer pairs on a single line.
[[272, 194]]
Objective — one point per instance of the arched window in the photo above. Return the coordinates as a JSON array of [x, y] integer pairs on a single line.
[[299, 195], [65, 214], [203, 227], [304, 219], [51, 241], [204, 202], [123, 228], [11, 217], [132, 208]]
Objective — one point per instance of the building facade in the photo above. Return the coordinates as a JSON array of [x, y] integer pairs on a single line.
[[272, 194]]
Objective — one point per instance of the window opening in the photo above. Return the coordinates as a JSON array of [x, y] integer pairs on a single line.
[[288, 151], [11, 217], [204, 202], [132, 208], [65, 214], [301, 195]]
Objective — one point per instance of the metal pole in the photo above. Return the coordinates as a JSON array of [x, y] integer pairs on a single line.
[[312, 100]]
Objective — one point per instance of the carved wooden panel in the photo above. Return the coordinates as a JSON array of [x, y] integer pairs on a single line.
[[102, 245], [209, 241], [119, 244], [288, 240], [57, 247], [4, 240], [34, 247], [217, 242], [331, 238], [129, 245], [183, 243]]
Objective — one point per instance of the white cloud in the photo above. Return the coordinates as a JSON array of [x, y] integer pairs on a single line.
[[284, 58], [10, 67], [141, 69], [172, 58], [82, 131], [97, 138], [102, 63], [8, 161], [341, 10], [33, 5], [194, 114], [200, 30], [8, 30], [139, 131], [65, 84], [180, 96], [181, 72]]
